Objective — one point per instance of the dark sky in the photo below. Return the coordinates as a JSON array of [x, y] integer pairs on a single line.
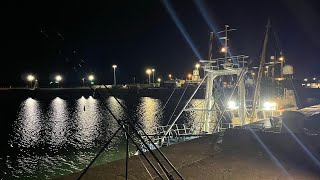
[[139, 34]]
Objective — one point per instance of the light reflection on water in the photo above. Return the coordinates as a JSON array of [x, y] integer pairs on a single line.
[[58, 117], [149, 113], [87, 116], [28, 125], [60, 136]]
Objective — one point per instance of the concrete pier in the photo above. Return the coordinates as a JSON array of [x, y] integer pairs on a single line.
[[243, 154]]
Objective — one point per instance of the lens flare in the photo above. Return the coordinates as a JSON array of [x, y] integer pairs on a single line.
[[180, 26], [273, 158]]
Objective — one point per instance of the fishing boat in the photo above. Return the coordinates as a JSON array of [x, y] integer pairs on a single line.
[[254, 98]]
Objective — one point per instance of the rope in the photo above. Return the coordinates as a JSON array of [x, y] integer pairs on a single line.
[[177, 104]]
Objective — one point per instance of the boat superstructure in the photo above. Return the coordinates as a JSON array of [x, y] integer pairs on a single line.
[[222, 110]]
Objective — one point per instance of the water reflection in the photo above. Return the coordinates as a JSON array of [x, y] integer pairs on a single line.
[[86, 119], [28, 124], [149, 113], [73, 131], [195, 118], [58, 116]]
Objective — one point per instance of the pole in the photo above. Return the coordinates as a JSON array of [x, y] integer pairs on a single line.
[[153, 78], [114, 76], [149, 78], [226, 43], [261, 69]]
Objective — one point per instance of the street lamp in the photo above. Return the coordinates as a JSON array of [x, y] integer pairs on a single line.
[[148, 71], [153, 76], [114, 74], [197, 66], [58, 79], [30, 78], [91, 78]]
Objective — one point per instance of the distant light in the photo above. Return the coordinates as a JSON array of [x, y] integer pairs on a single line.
[[148, 71], [306, 79], [114, 66], [253, 74], [30, 77], [314, 79], [159, 80], [281, 58], [189, 76], [153, 70], [58, 78], [223, 50], [91, 77]]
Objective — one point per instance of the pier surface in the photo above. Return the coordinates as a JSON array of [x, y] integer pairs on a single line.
[[243, 154]]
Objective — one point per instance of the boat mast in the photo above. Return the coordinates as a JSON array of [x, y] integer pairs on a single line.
[[260, 73], [209, 89]]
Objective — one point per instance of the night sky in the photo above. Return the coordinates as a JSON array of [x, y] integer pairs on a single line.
[[138, 34]]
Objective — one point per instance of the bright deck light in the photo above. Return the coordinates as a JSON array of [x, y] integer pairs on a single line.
[[232, 105], [269, 106], [197, 66]]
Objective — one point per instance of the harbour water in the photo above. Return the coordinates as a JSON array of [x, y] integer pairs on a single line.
[[44, 138]]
